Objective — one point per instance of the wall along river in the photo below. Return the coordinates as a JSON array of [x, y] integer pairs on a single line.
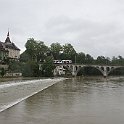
[[93, 100]]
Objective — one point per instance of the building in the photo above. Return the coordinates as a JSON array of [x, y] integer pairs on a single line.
[[14, 51], [3, 52], [59, 71], [8, 49]]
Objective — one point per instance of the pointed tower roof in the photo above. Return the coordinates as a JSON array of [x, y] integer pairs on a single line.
[[8, 34], [8, 39], [9, 44]]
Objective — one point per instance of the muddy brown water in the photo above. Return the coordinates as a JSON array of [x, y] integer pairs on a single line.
[[71, 101]]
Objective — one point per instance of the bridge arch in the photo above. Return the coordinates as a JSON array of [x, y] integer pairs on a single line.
[[89, 66], [114, 68]]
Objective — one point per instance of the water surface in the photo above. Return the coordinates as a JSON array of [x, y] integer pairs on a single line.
[[73, 101]]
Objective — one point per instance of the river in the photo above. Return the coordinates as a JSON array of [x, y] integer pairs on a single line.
[[89, 100]]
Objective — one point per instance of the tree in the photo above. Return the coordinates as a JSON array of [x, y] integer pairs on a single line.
[[27, 70], [42, 51], [15, 66], [100, 60], [36, 49], [117, 60], [56, 48], [30, 69], [108, 61], [2, 72], [69, 52], [31, 48], [80, 58], [25, 57], [120, 60], [114, 60], [89, 59], [48, 66]]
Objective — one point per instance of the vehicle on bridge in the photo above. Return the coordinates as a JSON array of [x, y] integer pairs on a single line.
[[62, 61]]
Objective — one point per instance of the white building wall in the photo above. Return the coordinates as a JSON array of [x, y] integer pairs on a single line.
[[15, 54], [59, 70]]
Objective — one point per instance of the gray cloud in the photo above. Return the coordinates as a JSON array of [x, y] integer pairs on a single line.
[[88, 36], [92, 26]]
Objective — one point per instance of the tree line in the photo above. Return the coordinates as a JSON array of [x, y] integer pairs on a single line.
[[37, 52]]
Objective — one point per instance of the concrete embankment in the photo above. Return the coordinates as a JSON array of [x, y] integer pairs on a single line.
[[14, 92]]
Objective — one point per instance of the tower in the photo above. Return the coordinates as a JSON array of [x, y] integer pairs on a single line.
[[14, 51], [8, 41]]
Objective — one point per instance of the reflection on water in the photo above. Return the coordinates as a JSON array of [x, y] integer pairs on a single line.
[[74, 101]]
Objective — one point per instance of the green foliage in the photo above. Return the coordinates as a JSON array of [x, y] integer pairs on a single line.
[[68, 52], [24, 57], [48, 66], [42, 50], [38, 53], [80, 58], [2, 72], [36, 49], [31, 47], [56, 48], [30, 69], [117, 60], [102, 60], [15, 66], [89, 59]]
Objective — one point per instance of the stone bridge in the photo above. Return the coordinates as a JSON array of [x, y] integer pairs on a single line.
[[75, 68]]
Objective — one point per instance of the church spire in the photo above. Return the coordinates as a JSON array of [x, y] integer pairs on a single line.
[[7, 39], [8, 33]]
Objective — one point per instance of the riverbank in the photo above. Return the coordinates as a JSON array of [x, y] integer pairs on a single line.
[[15, 91]]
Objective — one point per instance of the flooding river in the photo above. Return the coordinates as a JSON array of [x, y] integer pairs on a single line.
[[71, 101]]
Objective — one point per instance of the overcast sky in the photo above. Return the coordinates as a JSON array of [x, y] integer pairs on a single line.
[[95, 27]]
